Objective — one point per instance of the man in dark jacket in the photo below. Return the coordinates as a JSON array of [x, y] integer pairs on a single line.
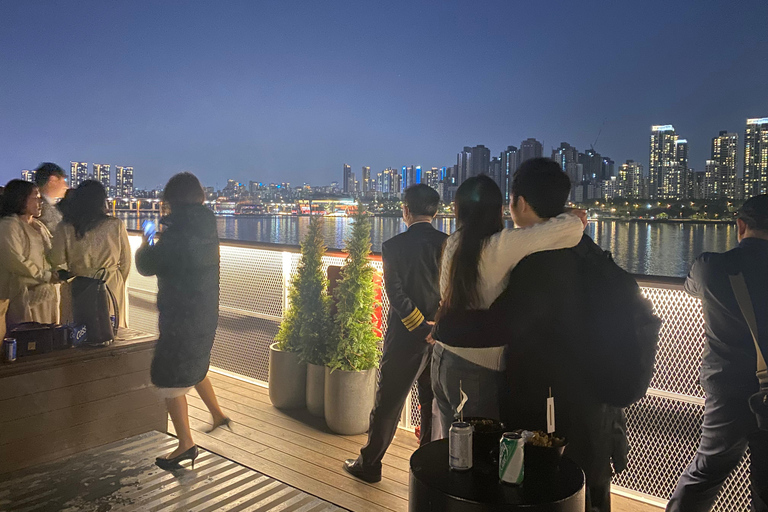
[[728, 366], [411, 271], [540, 317]]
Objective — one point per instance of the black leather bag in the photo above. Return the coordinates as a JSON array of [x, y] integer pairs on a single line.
[[759, 401], [93, 305]]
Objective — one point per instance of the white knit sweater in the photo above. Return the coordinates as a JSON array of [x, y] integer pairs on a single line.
[[501, 253]]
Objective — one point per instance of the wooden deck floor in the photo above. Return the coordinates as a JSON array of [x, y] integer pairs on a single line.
[[300, 451], [123, 477]]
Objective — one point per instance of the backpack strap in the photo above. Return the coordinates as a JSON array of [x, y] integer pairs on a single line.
[[740, 290]]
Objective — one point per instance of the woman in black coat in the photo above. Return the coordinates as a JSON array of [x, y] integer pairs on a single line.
[[186, 263]]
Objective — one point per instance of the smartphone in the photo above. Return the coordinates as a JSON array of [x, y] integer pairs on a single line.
[[149, 229]]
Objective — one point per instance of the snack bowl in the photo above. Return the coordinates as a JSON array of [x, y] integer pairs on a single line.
[[542, 456], [485, 438]]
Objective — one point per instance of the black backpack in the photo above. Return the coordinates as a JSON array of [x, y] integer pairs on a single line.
[[621, 332]]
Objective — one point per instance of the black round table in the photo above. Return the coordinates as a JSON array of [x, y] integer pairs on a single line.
[[435, 487]]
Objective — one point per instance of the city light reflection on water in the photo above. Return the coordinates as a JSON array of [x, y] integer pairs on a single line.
[[663, 249]]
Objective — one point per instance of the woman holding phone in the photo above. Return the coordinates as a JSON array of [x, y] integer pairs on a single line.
[[185, 260]]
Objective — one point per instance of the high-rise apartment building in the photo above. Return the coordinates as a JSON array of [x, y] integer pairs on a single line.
[[432, 177], [712, 182], [530, 148], [509, 163], [756, 157], [123, 181], [608, 168], [347, 180], [410, 175], [725, 151], [630, 180], [28, 175], [463, 164], [78, 173], [567, 157], [699, 184], [101, 174], [675, 181], [592, 163], [662, 159], [496, 174], [365, 181], [473, 161], [389, 182]]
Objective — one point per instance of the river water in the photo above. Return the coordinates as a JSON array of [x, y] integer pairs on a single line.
[[662, 249]]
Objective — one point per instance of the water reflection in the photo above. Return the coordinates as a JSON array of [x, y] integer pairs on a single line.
[[639, 247]]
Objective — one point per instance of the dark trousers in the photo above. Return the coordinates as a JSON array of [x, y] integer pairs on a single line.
[[426, 398], [401, 364], [729, 426]]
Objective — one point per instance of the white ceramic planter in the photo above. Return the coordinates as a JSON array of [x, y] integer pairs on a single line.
[[287, 379], [349, 399], [316, 389]]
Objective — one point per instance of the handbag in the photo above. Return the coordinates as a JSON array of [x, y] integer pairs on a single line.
[[91, 303], [759, 401]]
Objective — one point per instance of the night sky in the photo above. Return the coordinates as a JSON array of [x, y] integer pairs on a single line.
[[289, 91]]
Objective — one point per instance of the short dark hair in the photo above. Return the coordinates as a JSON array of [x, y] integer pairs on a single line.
[[421, 200], [15, 195], [754, 212], [183, 189], [44, 172], [544, 185]]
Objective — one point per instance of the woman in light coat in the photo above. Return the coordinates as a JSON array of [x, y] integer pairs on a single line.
[[25, 273], [88, 240]]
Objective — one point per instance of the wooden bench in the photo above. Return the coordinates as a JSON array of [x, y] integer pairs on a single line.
[[54, 405]]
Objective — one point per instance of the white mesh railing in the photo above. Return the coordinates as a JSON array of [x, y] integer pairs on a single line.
[[664, 427]]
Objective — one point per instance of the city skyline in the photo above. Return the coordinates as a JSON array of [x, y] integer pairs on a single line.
[[294, 90], [669, 174]]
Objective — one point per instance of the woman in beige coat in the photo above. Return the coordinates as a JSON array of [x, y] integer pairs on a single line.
[[88, 240], [25, 273]]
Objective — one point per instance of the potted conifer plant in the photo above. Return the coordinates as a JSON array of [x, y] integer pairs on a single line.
[[350, 376], [304, 331]]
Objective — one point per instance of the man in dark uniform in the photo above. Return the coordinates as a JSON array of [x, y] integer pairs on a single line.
[[411, 279], [728, 366]]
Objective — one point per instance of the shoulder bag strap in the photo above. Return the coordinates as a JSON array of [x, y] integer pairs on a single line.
[[740, 290]]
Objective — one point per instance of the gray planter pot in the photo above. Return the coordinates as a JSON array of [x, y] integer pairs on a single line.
[[349, 398], [287, 379], [316, 389]]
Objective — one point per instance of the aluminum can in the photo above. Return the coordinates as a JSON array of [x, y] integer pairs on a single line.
[[460, 446], [9, 350], [511, 469]]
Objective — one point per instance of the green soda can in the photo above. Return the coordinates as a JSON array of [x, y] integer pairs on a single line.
[[511, 458]]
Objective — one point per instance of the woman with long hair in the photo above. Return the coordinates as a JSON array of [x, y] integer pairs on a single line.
[[26, 276], [477, 259], [88, 240], [186, 263]]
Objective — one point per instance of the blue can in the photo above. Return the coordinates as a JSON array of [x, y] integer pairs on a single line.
[[9, 350]]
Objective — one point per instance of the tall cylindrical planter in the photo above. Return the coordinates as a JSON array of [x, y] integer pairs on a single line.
[[349, 398], [287, 379], [316, 389]]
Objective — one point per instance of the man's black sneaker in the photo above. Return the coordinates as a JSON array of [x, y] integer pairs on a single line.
[[354, 468]]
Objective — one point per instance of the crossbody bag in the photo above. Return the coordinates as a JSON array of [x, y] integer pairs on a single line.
[[759, 401]]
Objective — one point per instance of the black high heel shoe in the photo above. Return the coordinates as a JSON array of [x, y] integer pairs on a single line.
[[226, 422], [164, 463]]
